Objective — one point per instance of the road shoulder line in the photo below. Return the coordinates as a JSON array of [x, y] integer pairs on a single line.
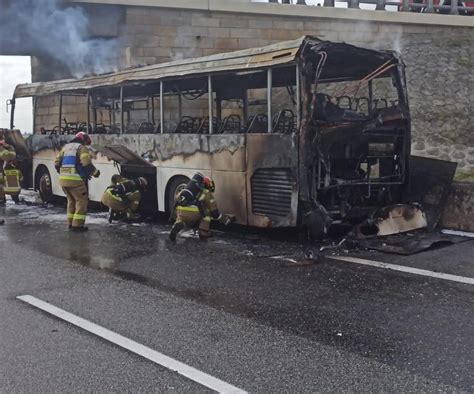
[[134, 347], [403, 268]]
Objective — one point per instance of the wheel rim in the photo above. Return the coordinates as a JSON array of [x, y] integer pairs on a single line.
[[178, 190], [45, 189]]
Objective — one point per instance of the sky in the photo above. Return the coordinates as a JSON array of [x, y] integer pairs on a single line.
[[15, 70]]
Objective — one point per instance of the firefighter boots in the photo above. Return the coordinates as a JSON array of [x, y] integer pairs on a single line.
[[177, 227]]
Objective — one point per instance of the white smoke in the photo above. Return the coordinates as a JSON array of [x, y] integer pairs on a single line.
[[46, 27]]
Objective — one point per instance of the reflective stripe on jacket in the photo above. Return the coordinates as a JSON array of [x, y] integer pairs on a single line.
[[117, 202], [208, 204], [69, 163], [13, 178]]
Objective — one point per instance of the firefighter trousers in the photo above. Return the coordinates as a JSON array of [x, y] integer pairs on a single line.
[[77, 200], [2, 186], [190, 216]]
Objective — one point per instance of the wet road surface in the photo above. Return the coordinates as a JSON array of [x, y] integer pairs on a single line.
[[228, 307]]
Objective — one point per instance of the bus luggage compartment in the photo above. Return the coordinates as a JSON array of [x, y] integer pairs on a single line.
[[132, 165]]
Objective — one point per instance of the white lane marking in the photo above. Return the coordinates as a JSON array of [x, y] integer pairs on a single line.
[[150, 354], [460, 233], [402, 268]]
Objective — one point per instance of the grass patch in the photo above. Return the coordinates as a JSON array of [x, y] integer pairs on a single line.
[[464, 176], [464, 61]]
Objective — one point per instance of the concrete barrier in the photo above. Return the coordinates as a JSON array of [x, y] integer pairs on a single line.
[[459, 212]]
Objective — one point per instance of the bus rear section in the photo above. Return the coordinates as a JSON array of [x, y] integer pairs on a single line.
[[355, 144]]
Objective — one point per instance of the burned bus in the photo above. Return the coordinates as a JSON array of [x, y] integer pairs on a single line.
[[303, 132]]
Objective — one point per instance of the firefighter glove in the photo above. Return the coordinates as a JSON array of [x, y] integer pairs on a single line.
[[96, 174]]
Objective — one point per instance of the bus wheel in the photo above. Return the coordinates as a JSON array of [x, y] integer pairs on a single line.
[[174, 188], [45, 187]]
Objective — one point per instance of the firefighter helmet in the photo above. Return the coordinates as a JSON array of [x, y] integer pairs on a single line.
[[141, 183], [83, 138], [116, 178], [209, 184]]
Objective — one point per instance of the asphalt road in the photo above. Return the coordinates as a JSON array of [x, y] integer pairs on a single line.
[[228, 308]]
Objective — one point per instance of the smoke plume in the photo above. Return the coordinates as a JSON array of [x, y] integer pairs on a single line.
[[49, 28]]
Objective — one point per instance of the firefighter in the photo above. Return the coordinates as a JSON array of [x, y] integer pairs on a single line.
[[13, 179], [7, 153], [75, 168], [196, 206], [123, 197]]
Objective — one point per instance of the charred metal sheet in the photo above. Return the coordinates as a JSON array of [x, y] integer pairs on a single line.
[[271, 191], [164, 147], [318, 221], [272, 162], [37, 143], [459, 211], [406, 244], [279, 53], [23, 154], [430, 185], [122, 155], [399, 218], [15, 139], [285, 52]]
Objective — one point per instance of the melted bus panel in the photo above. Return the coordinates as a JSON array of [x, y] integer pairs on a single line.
[[299, 129]]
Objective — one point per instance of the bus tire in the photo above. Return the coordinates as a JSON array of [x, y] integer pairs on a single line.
[[44, 185], [175, 186]]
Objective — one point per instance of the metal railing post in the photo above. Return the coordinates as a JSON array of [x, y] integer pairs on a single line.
[[380, 6], [454, 7], [429, 7], [353, 4]]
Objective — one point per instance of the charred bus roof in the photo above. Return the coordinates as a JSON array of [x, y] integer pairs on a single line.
[[344, 63]]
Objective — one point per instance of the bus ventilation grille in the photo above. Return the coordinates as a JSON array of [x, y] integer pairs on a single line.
[[271, 192]]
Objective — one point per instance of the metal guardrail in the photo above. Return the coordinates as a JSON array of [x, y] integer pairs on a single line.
[[425, 6]]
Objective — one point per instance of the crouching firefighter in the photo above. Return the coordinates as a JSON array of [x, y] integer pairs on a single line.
[[196, 206], [75, 168], [123, 197]]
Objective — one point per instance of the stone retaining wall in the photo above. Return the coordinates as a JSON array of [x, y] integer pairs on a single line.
[[459, 212]]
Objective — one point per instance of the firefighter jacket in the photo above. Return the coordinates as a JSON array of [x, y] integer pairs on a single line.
[[13, 179], [208, 205], [75, 165], [122, 196], [7, 153]]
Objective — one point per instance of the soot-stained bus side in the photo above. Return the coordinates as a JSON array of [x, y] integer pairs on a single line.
[[299, 132]]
